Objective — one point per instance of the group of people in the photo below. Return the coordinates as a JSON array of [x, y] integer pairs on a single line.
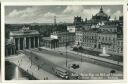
[[45, 78]]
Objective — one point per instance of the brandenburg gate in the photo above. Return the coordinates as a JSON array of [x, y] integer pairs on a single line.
[[25, 38]]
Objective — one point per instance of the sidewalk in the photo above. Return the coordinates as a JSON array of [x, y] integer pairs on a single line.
[[25, 64], [63, 49]]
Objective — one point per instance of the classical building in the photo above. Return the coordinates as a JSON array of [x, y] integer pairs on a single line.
[[96, 40], [49, 42], [58, 39], [25, 38], [101, 32]]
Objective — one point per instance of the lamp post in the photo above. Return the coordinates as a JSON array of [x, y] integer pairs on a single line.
[[66, 50], [118, 59], [71, 29], [31, 58], [81, 56], [80, 48]]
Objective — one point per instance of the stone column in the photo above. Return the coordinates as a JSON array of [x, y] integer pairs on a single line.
[[33, 42], [49, 44], [38, 42], [18, 43], [6, 52], [10, 51], [24, 43], [14, 45], [29, 43], [14, 41]]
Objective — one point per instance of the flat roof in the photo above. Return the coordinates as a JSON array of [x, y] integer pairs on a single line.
[[18, 33], [48, 38]]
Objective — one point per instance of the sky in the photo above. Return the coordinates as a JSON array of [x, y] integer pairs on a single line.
[[63, 13]]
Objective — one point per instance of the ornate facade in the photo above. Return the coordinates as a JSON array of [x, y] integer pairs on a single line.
[[25, 39], [101, 16], [101, 32]]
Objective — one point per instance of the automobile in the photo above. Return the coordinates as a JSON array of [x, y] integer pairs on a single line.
[[61, 53], [75, 66], [112, 71]]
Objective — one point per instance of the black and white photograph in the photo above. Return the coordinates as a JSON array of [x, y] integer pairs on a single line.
[[63, 42], [0, 41]]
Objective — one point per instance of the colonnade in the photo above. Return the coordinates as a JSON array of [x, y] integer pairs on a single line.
[[26, 42]]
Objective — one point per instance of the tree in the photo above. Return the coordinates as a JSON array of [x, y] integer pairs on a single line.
[[80, 48]]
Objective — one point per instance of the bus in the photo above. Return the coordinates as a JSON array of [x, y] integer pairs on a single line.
[[66, 74], [63, 73]]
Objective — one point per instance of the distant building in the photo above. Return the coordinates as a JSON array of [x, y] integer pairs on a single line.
[[79, 38], [58, 39], [49, 42], [101, 16], [101, 32], [65, 38], [78, 21], [96, 40]]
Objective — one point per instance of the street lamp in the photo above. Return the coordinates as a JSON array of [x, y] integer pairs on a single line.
[[31, 57], [66, 50], [81, 56], [118, 59]]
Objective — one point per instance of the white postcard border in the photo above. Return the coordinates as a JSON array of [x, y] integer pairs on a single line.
[[64, 3]]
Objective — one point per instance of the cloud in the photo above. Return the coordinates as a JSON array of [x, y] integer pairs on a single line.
[[108, 12], [49, 14], [28, 12], [89, 12], [117, 14], [80, 11], [73, 9], [83, 11], [62, 13]]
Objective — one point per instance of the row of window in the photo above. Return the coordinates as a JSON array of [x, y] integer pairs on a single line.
[[102, 38], [109, 30]]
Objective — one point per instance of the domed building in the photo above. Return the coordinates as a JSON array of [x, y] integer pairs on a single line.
[[100, 33], [101, 16]]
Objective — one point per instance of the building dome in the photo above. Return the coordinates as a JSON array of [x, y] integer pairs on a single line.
[[101, 13], [101, 16]]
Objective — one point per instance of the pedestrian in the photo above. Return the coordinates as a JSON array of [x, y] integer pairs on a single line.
[[27, 70], [38, 67], [46, 78], [52, 69], [30, 66]]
